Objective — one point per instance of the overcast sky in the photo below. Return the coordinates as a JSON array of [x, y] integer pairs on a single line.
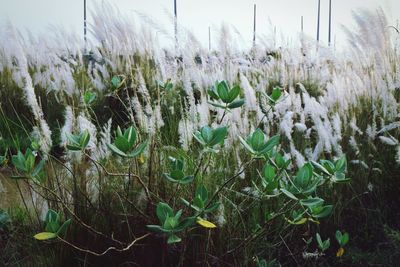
[[197, 16]]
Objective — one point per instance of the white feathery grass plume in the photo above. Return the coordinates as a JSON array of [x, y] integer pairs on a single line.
[[353, 144], [297, 155], [286, 125], [249, 93], [102, 151], [390, 141]]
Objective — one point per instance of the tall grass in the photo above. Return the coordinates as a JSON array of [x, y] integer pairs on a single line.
[[332, 104]]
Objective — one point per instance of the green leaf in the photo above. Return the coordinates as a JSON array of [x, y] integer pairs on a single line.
[[138, 150], [170, 223], [270, 144], [257, 140], [212, 207], [303, 176], [218, 135], [237, 103], [187, 179], [19, 161], [177, 174], [246, 145], [173, 239], [329, 166], [45, 236], [202, 192], [341, 164], [233, 93], [130, 136], [157, 229], [116, 150], [206, 134], [51, 216], [63, 229], [299, 221], [199, 138], [216, 104], [276, 94], [213, 93], [223, 92], [38, 168], [279, 160], [312, 202], [345, 239], [52, 226], [89, 97], [321, 168], [122, 144], [115, 82], [322, 212], [269, 173], [289, 194], [163, 211]]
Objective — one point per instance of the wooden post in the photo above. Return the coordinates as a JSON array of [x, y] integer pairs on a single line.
[[318, 18], [254, 25]]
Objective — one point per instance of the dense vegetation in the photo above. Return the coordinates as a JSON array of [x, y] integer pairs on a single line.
[[133, 155]]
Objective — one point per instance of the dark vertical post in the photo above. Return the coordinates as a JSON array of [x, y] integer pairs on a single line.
[[254, 26], [318, 18], [84, 24], [176, 25], [209, 38], [330, 22]]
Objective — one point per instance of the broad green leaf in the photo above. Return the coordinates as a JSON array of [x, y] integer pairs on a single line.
[[63, 229], [157, 229], [212, 207], [177, 174], [173, 239], [139, 149], [218, 135], [206, 134], [257, 140], [51, 216], [321, 168], [233, 93], [122, 144], [19, 161], [116, 150], [89, 97], [341, 164], [298, 222], [45, 236], [216, 104], [322, 211], [38, 168], [223, 92], [312, 202], [130, 136], [236, 104], [304, 176], [115, 82], [52, 226], [199, 138], [213, 93], [276, 94], [202, 192], [170, 223], [289, 194], [163, 211], [269, 173], [246, 145], [187, 179]]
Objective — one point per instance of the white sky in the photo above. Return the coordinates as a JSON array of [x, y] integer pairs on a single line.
[[198, 15]]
